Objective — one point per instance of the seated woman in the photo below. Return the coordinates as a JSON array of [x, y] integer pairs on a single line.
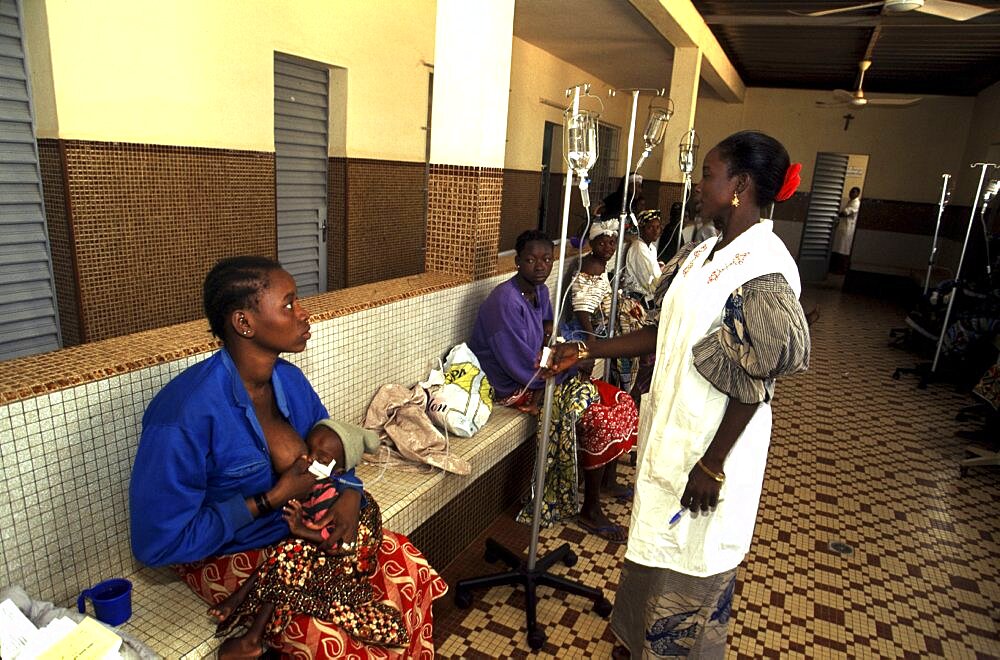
[[204, 496], [642, 265], [513, 324], [590, 293]]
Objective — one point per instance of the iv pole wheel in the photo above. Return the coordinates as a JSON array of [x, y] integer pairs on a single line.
[[570, 558], [602, 608], [490, 556], [463, 598], [536, 639]]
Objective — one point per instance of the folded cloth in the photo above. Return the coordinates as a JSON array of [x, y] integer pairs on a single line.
[[398, 414]]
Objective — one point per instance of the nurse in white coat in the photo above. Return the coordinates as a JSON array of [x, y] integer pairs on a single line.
[[729, 323], [843, 235]]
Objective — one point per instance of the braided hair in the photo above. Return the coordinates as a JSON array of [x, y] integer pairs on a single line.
[[234, 283]]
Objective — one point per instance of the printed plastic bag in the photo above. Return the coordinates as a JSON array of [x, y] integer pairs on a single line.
[[462, 405]]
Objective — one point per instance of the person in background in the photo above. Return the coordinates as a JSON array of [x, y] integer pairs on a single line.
[[611, 206], [642, 266], [512, 325], [843, 237], [220, 456], [590, 298], [703, 229], [729, 323]]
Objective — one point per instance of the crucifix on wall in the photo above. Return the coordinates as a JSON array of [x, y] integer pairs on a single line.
[[847, 120]]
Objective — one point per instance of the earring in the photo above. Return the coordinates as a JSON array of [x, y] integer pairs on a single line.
[[246, 332], [736, 200]]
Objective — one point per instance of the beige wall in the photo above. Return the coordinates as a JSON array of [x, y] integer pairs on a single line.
[[535, 74], [908, 148], [857, 170], [200, 72], [471, 78], [983, 144]]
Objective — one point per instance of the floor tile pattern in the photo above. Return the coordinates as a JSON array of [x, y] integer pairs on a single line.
[[857, 459]]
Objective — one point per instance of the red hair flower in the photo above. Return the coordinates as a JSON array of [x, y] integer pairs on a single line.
[[791, 182]]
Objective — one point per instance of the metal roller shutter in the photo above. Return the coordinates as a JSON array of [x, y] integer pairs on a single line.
[[821, 218], [28, 318], [301, 128]]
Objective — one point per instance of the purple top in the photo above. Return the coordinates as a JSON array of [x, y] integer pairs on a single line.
[[507, 337]]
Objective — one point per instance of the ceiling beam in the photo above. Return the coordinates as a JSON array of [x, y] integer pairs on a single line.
[[793, 20], [681, 24]]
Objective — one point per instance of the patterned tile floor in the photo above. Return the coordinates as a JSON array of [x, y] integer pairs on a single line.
[[856, 458]]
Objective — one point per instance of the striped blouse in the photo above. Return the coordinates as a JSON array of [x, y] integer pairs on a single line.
[[764, 335], [589, 291]]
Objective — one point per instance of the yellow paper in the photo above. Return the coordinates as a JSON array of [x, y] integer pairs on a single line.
[[89, 640]]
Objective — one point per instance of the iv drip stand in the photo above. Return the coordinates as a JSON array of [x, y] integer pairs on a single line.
[[622, 219], [684, 202], [534, 572], [961, 259], [937, 228], [625, 214]]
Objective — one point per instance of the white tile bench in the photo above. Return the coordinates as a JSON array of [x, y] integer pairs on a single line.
[[67, 445]]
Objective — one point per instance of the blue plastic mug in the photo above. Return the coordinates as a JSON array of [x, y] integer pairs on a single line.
[[112, 601]]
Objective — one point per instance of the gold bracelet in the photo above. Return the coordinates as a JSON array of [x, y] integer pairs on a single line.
[[718, 476], [582, 352]]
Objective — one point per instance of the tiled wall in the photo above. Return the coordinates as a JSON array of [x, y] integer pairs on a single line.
[[463, 219], [521, 202], [336, 217], [385, 220], [912, 217], [60, 241], [66, 455], [147, 221], [665, 194], [134, 227]]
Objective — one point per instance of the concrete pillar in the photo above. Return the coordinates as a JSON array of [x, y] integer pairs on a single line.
[[684, 79], [468, 135]]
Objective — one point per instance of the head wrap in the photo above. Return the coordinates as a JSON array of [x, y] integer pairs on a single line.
[[602, 227], [647, 215], [791, 182]]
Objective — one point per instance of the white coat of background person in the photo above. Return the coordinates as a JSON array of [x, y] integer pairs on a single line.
[[847, 223]]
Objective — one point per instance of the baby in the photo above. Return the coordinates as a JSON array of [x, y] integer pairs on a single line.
[[339, 587]]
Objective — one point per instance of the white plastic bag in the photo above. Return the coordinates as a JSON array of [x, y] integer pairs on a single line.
[[462, 405]]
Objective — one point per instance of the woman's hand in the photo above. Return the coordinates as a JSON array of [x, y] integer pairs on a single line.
[[533, 406], [564, 356], [341, 521], [294, 483], [701, 495]]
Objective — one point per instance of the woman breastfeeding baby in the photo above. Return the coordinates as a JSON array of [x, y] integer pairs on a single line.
[[221, 477], [338, 587]]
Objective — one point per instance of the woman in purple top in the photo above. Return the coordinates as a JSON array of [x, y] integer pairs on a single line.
[[513, 324]]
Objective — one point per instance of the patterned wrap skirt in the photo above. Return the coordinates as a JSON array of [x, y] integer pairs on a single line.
[[375, 603], [608, 429]]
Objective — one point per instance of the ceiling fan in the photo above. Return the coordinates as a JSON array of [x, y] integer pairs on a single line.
[[956, 11], [857, 98]]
